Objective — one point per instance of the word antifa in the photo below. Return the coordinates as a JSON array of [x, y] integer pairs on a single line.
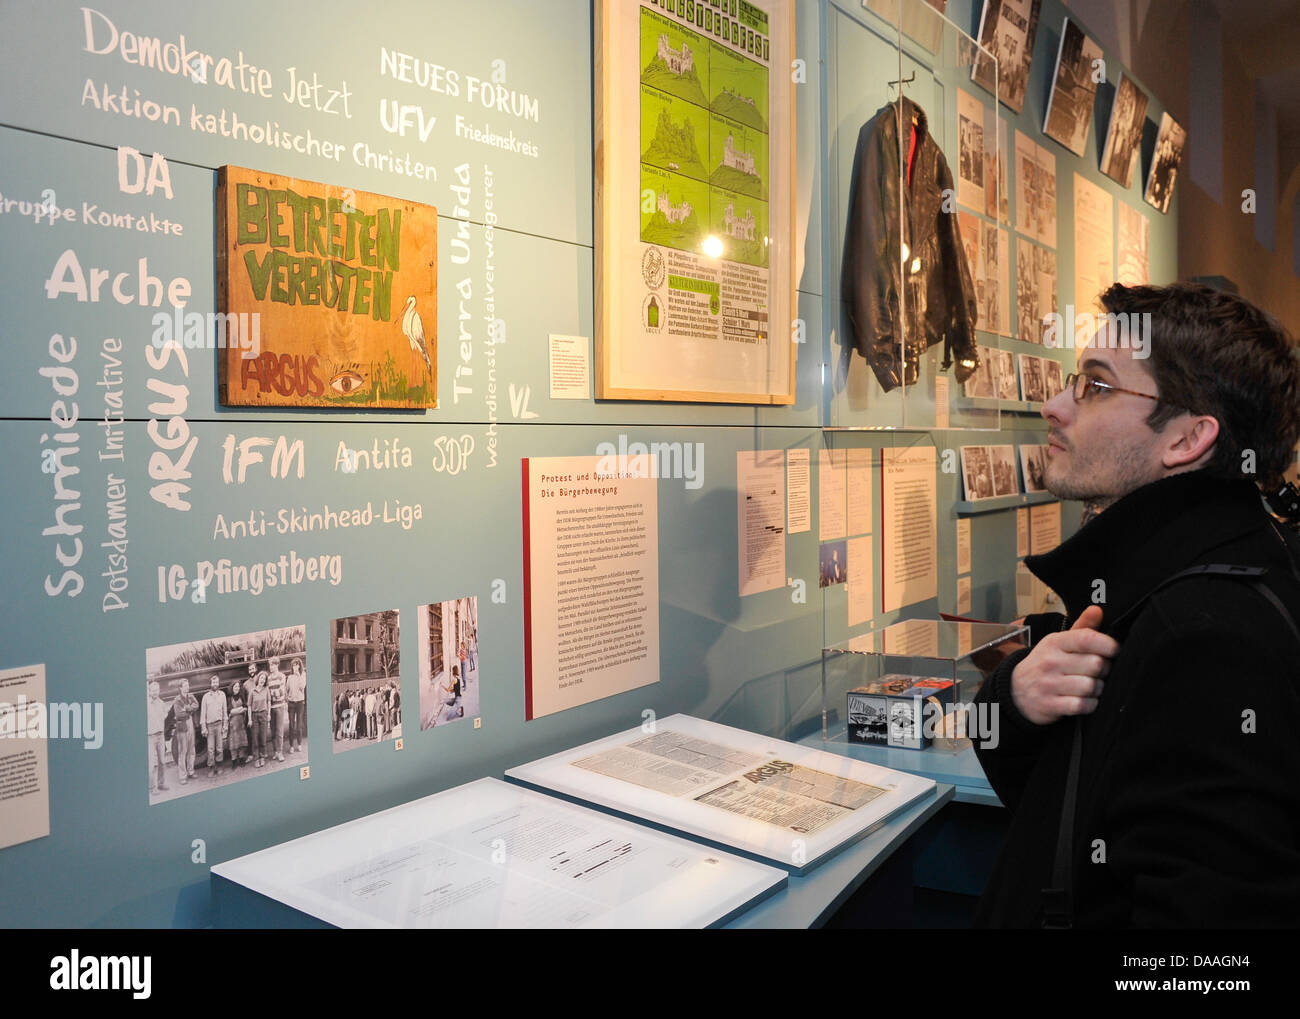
[[326, 233]]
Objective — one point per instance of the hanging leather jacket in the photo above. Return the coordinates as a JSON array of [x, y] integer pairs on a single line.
[[924, 292]]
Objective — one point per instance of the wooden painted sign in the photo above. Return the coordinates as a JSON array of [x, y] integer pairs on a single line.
[[334, 293]]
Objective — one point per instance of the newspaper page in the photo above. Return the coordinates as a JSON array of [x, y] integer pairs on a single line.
[[670, 762], [775, 792], [789, 796]]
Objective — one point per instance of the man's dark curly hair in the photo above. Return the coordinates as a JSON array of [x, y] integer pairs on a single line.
[[1212, 352]]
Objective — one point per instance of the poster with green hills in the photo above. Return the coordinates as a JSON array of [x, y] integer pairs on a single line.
[[738, 87], [741, 223], [674, 59], [674, 134], [674, 209], [738, 158], [703, 141]]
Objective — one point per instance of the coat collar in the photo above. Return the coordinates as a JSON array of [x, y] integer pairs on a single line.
[[906, 110], [1146, 537]]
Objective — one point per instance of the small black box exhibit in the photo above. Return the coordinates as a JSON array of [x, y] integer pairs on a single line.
[[899, 711]]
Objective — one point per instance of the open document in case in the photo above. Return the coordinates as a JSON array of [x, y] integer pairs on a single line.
[[492, 854], [778, 801]]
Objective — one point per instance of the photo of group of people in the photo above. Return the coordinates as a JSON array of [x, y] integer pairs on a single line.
[[1128, 114], [365, 679], [219, 711], [225, 709], [1170, 143], [990, 471], [1035, 289], [1035, 190], [1007, 31], [1040, 378], [449, 665], [986, 255], [995, 378], [1074, 87]]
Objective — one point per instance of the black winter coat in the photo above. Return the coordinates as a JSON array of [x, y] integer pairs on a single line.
[[940, 295], [1189, 794]]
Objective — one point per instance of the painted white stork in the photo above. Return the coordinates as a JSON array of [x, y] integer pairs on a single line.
[[413, 326]]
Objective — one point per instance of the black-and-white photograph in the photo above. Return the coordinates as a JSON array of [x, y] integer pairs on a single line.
[[868, 718], [1033, 462], [1045, 268], [1031, 378], [1035, 289], [366, 679], [968, 228], [1003, 461], [222, 710], [982, 382], [1027, 200], [1028, 326], [1074, 88], [1053, 379], [994, 312], [833, 564], [1035, 190], [1007, 30], [1164, 164], [977, 473], [996, 158], [1128, 114], [449, 663], [1008, 389], [970, 151]]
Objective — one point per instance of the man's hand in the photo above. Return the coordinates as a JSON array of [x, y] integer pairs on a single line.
[[1063, 674]]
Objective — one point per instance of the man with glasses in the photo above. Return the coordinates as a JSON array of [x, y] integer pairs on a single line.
[[1151, 731]]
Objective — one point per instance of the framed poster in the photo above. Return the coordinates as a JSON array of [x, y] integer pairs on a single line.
[[333, 293], [695, 201]]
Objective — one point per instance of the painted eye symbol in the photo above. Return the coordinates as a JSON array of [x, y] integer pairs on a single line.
[[346, 381]]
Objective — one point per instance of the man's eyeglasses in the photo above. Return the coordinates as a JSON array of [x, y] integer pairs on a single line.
[[1083, 386]]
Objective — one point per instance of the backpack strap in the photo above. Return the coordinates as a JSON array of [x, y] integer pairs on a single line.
[[1058, 900]]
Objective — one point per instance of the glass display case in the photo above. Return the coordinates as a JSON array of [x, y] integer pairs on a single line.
[[918, 245], [909, 685]]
